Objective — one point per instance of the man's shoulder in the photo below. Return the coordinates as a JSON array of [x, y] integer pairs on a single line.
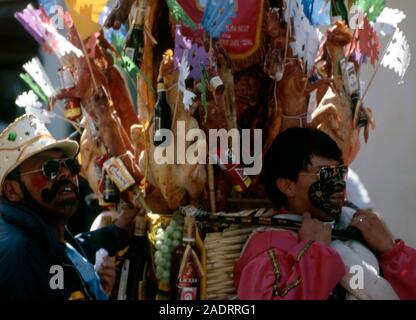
[[13, 240], [265, 238]]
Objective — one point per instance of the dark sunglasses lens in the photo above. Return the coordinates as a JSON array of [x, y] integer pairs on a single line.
[[73, 165], [324, 174], [343, 170], [51, 168], [327, 172]]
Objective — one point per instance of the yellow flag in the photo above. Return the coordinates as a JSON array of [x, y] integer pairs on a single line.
[[85, 14]]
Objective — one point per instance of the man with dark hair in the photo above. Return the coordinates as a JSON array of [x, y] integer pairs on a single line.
[[304, 151], [304, 176], [39, 193]]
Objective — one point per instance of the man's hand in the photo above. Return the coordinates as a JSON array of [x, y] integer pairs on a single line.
[[107, 274], [126, 219], [313, 229], [374, 231]]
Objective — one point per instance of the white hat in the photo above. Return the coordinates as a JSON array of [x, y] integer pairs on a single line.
[[24, 138]]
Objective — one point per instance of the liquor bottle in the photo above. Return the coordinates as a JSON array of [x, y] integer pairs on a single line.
[[110, 193], [233, 170], [134, 268], [135, 40], [186, 270], [72, 110], [162, 115]]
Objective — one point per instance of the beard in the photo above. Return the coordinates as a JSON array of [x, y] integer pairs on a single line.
[[52, 209]]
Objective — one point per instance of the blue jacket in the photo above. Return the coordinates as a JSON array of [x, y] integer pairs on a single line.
[[29, 248]]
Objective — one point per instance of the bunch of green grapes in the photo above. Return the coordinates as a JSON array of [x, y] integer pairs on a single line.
[[166, 241]]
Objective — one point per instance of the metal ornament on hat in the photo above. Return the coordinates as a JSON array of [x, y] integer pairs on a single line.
[[13, 135], [25, 136], [22, 147]]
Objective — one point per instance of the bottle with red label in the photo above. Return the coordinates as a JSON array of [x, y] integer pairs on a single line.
[[186, 270], [72, 109], [233, 170]]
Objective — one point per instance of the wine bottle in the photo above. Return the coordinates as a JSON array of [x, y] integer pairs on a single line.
[[110, 193], [135, 40], [162, 115], [133, 270], [186, 270], [72, 110]]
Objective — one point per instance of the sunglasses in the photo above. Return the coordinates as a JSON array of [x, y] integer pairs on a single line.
[[326, 173], [50, 168]]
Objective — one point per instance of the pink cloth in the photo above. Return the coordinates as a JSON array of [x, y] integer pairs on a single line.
[[311, 276], [399, 269]]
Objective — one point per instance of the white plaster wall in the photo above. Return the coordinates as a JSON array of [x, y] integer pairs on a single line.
[[387, 164]]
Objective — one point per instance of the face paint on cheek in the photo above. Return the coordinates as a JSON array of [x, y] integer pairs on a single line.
[[321, 192], [39, 182]]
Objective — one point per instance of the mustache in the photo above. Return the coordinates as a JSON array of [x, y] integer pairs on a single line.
[[48, 195]]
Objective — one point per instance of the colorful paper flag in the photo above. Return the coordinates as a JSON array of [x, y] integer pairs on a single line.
[[398, 54], [49, 4], [217, 16], [364, 44], [188, 95], [307, 37], [29, 18], [29, 100], [179, 14], [369, 42], [34, 86], [45, 33], [317, 11], [197, 54], [372, 8], [35, 69], [85, 14], [388, 21]]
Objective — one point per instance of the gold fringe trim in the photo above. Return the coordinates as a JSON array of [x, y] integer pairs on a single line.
[[304, 249], [291, 286], [277, 272]]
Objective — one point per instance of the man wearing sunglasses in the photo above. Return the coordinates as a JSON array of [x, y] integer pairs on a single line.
[[39, 193], [304, 175]]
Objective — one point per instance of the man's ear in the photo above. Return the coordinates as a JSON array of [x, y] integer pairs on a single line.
[[12, 190], [286, 186]]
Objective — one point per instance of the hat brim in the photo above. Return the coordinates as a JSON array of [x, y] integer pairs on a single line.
[[68, 147]]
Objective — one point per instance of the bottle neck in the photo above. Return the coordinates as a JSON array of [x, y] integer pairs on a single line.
[[189, 231], [140, 226], [161, 93], [139, 18]]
